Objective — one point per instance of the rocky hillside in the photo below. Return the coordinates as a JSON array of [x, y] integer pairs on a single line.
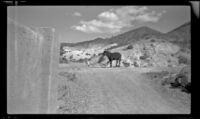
[[80, 54], [141, 47]]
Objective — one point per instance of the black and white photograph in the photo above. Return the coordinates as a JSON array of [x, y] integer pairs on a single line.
[[108, 59]]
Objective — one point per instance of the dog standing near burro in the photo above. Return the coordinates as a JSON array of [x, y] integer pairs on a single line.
[[113, 56]]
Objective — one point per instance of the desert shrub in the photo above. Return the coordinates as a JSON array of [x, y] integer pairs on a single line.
[[157, 75], [64, 95], [101, 59], [168, 79], [81, 60], [176, 80], [153, 40], [152, 45], [187, 88], [135, 64], [126, 64], [72, 77], [69, 76], [187, 72], [71, 57], [180, 80], [170, 63], [62, 92], [87, 54], [144, 57], [63, 60], [130, 47], [185, 50], [62, 51], [183, 60], [146, 36]]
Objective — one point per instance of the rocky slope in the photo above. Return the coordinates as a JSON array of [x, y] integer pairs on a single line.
[[151, 46]]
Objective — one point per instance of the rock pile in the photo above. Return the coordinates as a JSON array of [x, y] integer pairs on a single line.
[[180, 80]]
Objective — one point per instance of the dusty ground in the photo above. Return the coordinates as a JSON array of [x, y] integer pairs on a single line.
[[113, 90]]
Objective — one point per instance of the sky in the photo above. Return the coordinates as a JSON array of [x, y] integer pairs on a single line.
[[82, 23]]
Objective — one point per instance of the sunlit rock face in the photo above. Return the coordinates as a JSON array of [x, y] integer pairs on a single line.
[[146, 53], [143, 53], [72, 53]]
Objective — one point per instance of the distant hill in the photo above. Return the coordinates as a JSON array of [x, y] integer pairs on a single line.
[[133, 35], [121, 39], [180, 35], [85, 44]]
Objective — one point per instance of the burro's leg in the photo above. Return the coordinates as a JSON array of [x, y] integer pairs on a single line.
[[88, 63], [119, 62], [110, 63], [116, 62]]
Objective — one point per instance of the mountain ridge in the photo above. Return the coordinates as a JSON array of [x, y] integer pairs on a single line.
[[180, 35]]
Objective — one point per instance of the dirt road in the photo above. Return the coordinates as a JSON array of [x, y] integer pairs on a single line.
[[106, 90]]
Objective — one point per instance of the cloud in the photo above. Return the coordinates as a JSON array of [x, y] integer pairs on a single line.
[[77, 14], [113, 20], [149, 17], [96, 26], [108, 16]]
